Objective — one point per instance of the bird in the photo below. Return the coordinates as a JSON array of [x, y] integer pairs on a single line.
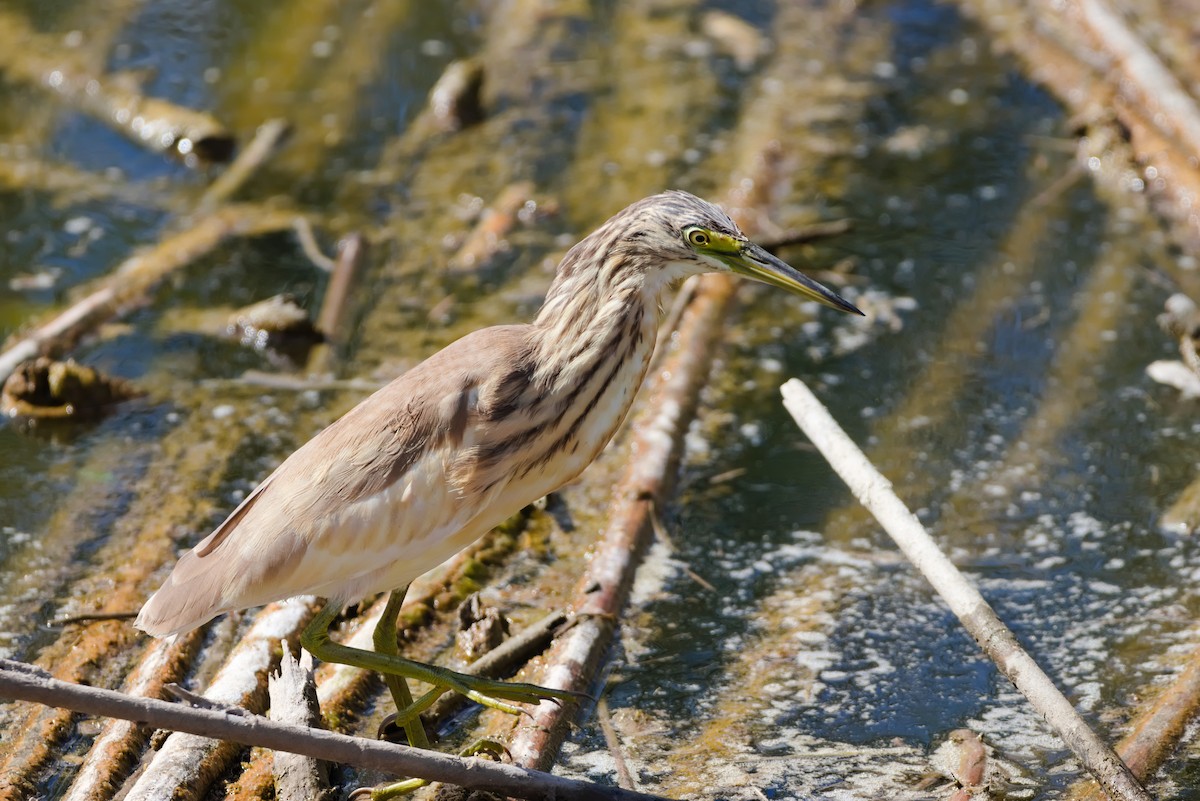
[[433, 460]]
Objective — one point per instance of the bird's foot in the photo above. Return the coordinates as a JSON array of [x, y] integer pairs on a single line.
[[384, 792], [492, 693]]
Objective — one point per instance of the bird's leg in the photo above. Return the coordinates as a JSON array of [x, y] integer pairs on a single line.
[[487, 692], [395, 670], [385, 640]]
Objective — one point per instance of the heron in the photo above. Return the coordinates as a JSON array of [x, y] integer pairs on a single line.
[[457, 444]]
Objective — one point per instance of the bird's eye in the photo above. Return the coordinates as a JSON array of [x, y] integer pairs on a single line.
[[698, 238]]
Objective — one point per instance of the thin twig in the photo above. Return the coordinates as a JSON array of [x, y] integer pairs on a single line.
[[624, 777], [663, 536], [266, 141], [977, 616], [809, 233], [91, 617], [309, 246], [18, 681]]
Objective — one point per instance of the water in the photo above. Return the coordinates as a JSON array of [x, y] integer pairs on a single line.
[[999, 383]]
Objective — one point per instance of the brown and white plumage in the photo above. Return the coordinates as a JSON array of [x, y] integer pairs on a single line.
[[426, 465]]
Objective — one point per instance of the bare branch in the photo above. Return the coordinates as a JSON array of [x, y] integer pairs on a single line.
[[977, 616], [27, 683], [294, 700]]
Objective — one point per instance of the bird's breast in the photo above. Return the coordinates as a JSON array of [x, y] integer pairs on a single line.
[[595, 410]]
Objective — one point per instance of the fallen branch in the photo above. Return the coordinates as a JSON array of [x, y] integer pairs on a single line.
[[137, 276], [116, 751], [294, 700], [1155, 732], [27, 683], [1142, 74], [36, 59], [270, 135], [194, 763], [977, 616]]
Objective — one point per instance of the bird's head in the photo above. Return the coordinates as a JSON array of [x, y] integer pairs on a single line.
[[686, 235]]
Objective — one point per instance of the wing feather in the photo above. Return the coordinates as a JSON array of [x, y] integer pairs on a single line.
[[338, 492]]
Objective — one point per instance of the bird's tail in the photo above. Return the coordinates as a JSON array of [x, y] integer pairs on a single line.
[[189, 598]]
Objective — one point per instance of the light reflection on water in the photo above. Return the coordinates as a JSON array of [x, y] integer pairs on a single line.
[[945, 161]]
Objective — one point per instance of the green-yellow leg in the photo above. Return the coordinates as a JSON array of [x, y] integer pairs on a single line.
[[386, 643], [483, 691], [395, 670]]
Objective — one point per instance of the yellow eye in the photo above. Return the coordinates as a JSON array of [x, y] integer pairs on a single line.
[[698, 238]]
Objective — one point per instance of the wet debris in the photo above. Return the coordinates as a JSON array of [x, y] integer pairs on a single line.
[[455, 102], [37, 59], [973, 765], [1181, 321], [482, 628], [194, 137], [45, 389], [278, 324], [1183, 516], [736, 38]]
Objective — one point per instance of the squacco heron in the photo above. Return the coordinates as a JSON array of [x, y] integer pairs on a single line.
[[429, 463]]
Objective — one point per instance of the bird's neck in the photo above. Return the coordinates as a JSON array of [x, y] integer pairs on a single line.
[[585, 321]]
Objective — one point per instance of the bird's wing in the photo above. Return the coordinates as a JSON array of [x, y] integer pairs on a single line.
[[340, 492]]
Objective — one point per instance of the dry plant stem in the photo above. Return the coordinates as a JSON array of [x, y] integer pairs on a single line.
[[24, 682], [335, 308], [1156, 730], [308, 244], [186, 765], [137, 276], [875, 492], [265, 143], [1156, 89], [112, 754], [294, 700], [613, 741]]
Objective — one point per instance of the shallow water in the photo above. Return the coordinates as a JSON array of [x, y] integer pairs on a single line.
[[999, 382]]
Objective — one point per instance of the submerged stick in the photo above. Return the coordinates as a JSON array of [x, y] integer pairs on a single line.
[[27, 683], [137, 276], [37, 59], [1156, 731], [1164, 99], [977, 616], [267, 140]]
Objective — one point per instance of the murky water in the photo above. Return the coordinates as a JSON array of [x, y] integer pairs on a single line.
[[999, 384]]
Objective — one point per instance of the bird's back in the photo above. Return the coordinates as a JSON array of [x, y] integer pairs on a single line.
[[380, 485], [410, 476]]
